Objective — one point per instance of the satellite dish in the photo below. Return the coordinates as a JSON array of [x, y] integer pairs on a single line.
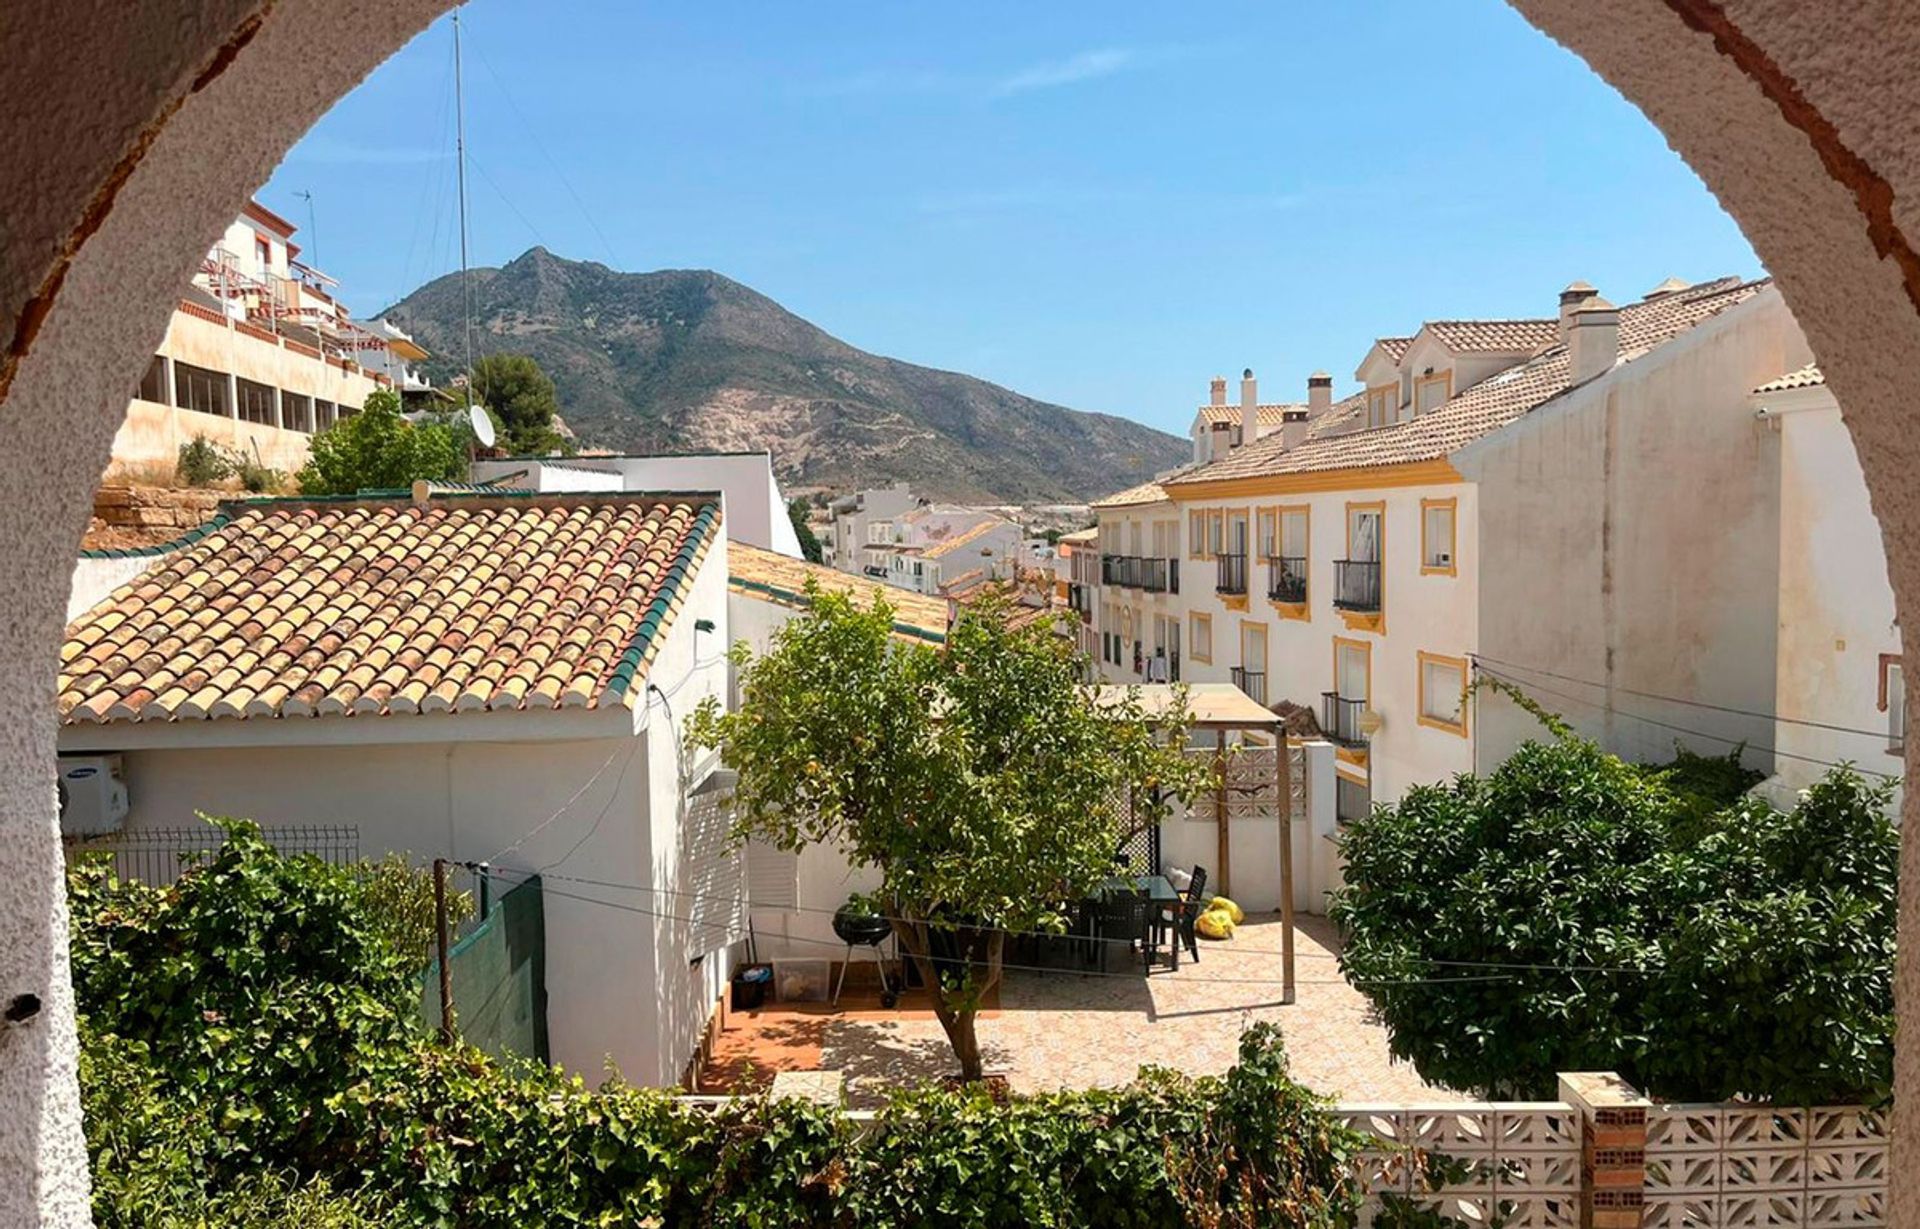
[[482, 425]]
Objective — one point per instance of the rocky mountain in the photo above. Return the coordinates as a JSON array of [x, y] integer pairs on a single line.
[[682, 360]]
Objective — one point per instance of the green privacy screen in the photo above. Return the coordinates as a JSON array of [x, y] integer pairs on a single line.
[[499, 978]]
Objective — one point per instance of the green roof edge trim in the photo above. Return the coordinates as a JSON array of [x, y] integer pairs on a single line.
[[219, 519], [905, 629], [628, 665]]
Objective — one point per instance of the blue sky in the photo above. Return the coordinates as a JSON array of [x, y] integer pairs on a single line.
[[1100, 204]]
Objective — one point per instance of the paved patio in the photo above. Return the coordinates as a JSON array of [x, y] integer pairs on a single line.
[[1062, 1029]]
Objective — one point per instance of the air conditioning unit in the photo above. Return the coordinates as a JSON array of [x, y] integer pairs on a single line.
[[93, 795]]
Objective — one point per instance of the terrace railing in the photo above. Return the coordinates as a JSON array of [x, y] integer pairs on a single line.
[[1232, 576], [1356, 585], [1286, 578]]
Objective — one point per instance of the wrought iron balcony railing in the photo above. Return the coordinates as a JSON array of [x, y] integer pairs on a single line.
[[1286, 578], [1233, 574], [1356, 585], [1340, 719], [1253, 682]]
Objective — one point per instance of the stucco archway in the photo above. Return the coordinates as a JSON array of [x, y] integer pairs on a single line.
[[137, 131]]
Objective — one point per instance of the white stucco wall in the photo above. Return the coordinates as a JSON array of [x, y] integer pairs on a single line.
[[94, 577], [1836, 605], [756, 509], [1628, 533]]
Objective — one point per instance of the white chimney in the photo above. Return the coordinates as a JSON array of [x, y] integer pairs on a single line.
[[1217, 394], [1319, 394], [1293, 429], [1571, 298], [1593, 339], [1249, 408]]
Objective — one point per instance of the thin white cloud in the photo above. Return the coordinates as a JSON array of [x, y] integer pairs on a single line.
[[1045, 75], [1051, 74]]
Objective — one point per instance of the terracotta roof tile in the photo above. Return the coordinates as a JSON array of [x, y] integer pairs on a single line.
[[1270, 415], [1807, 377], [1147, 492], [940, 549], [772, 577], [1337, 441], [1396, 347], [294, 608], [1494, 336]]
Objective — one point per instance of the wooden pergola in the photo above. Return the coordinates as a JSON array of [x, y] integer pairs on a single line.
[[1223, 708]]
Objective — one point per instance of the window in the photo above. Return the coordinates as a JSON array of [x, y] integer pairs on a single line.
[[1200, 638], [196, 388], [1432, 392], [1353, 670], [296, 411], [153, 385], [1380, 403], [324, 415], [1353, 798], [1443, 693], [263, 252], [1893, 702], [1293, 532], [880, 531], [1215, 528], [1363, 532], [1438, 543], [1236, 533], [1269, 533]]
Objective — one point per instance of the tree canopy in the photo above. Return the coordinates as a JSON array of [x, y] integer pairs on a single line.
[[1572, 912], [522, 395], [379, 449], [809, 541], [981, 779]]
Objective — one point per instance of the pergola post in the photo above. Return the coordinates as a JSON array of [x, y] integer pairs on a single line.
[[1282, 775], [1220, 805]]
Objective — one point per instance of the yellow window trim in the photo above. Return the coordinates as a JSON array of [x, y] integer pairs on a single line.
[[1456, 663], [1354, 756], [1194, 620], [1266, 642], [1420, 382], [1451, 504], [1392, 392], [1366, 648], [1376, 622]]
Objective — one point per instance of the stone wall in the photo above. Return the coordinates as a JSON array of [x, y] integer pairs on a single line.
[[149, 507]]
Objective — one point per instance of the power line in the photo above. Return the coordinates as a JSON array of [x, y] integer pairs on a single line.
[[1035, 968], [541, 145], [1240, 951], [1654, 695], [1667, 725]]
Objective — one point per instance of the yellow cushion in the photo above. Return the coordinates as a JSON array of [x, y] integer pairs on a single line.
[[1226, 906], [1214, 924]]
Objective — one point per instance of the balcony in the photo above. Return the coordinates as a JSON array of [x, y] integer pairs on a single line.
[[1233, 574], [1286, 579], [1140, 572], [1161, 575], [1121, 571], [1253, 682], [1356, 585], [1080, 600], [1340, 719]]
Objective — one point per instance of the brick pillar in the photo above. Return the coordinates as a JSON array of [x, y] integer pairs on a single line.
[[1613, 1148]]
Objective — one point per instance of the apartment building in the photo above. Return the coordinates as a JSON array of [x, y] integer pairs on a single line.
[[259, 355], [863, 519], [1515, 491]]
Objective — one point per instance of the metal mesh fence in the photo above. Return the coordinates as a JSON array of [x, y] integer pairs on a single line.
[[158, 855]]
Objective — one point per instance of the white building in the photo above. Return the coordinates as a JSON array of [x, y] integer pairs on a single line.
[[479, 677], [1520, 494], [259, 355], [1837, 686], [863, 518], [755, 506]]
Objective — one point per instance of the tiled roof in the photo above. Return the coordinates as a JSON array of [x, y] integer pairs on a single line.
[[1807, 377], [1080, 537], [363, 607], [1147, 492], [941, 549], [1493, 336], [1333, 443], [782, 579], [1270, 415], [1396, 347]]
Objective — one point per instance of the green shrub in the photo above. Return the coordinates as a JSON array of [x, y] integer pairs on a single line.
[[399, 904], [247, 1061], [1703, 952], [378, 449], [203, 463]]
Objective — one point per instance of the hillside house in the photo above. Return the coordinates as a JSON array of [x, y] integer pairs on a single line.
[[259, 355]]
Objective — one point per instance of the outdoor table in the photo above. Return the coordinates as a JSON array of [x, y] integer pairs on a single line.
[[1156, 888]]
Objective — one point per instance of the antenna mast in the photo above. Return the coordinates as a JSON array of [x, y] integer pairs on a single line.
[[460, 164]]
